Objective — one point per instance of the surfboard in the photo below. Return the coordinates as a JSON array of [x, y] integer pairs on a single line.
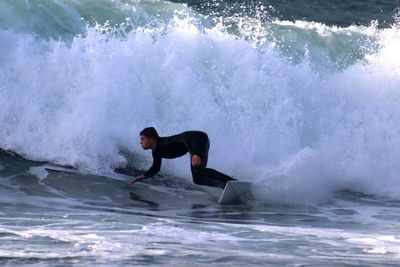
[[120, 177], [235, 191], [124, 175]]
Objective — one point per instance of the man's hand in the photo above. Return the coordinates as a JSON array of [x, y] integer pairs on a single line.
[[137, 178], [196, 160]]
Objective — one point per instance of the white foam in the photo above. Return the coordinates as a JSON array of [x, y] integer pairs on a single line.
[[39, 171], [297, 135]]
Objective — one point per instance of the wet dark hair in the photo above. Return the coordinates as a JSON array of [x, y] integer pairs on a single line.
[[149, 132]]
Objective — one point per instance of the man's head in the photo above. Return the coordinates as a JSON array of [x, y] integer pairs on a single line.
[[148, 138]]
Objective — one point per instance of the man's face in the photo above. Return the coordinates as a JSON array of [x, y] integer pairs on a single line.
[[147, 143]]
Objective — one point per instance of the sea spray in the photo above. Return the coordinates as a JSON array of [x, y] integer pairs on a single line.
[[300, 121]]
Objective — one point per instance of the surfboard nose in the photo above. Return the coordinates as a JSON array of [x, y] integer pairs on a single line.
[[234, 191]]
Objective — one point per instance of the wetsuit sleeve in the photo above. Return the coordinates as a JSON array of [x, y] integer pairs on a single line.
[[155, 168]]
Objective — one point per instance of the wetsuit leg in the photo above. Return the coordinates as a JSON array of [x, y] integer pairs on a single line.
[[203, 175]]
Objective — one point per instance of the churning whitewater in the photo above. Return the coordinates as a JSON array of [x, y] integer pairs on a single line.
[[303, 109], [293, 120]]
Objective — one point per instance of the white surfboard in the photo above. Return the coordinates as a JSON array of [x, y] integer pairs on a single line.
[[120, 177], [234, 191]]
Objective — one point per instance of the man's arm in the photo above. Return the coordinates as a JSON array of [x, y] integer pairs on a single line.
[[154, 169]]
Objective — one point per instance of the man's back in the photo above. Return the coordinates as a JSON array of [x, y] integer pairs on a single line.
[[178, 145]]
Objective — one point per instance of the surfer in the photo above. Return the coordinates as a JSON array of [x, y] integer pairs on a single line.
[[194, 142]]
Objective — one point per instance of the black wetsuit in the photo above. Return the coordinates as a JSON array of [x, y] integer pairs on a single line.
[[196, 143]]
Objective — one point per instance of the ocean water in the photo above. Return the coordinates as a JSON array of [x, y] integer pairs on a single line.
[[303, 100]]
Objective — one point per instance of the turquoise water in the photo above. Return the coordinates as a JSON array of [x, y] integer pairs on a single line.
[[336, 12], [303, 101]]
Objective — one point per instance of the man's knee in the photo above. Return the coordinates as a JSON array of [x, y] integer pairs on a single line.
[[197, 174], [197, 180], [201, 180]]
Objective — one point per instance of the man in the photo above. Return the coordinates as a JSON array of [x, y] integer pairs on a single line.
[[194, 142]]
